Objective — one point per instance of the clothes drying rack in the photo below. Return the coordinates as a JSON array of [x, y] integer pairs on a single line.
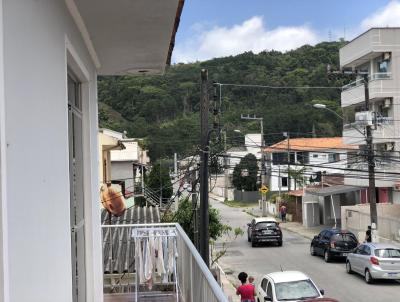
[[147, 232]]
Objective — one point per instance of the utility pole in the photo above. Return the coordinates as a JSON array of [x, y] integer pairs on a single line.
[[226, 170], [288, 161], [204, 150], [371, 165], [263, 168]]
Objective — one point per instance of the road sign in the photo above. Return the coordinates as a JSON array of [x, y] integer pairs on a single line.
[[264, 189]]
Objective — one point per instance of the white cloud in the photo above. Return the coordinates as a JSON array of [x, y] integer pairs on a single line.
[[386, 16], [251, 35]]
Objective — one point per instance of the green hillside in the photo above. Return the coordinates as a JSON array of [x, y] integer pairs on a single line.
[[165, 109]]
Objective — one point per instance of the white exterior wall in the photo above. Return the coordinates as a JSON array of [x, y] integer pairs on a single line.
[[37, 226], [4, 280], [123, 170], [316, 164]]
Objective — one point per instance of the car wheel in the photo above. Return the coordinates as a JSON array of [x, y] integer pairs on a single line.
[[327, 256], [253, 243], [280, 243], [312, 250], [368, 277], [348, 267], [248, 239]]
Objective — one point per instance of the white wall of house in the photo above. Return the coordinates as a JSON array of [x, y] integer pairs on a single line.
[[318, 161], [4, 280], [123, 170], [38, 35]]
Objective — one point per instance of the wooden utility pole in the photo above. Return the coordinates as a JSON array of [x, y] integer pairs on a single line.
[[204, 151]]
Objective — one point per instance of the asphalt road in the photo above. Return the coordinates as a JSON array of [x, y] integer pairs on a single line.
[[294, 255]]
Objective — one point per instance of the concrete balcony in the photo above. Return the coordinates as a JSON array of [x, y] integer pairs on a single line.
[[384, 132], [186, 276], [381, 85], [368, 46], [385, 174]]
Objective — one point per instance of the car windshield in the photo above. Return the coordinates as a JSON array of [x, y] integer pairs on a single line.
[[266, 224], [348, 237], [296, 290], [387, 253]]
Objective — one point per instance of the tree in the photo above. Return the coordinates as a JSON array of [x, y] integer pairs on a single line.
[[159, 179], [245, 173], [297, 175], [184, 216]]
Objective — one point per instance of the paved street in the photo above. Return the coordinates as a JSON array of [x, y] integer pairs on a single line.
[[294, 255]]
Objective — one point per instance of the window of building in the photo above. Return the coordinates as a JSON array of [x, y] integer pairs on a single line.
[[315, 155], [333, 157], [279, 158], [284, 181], [303, 157], [383, 66]]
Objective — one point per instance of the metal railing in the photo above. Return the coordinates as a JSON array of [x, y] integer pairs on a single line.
[[151, 196], [196, 283], [372, 77]]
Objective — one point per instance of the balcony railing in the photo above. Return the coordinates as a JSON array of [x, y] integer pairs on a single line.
[[371, 77], [195, 283]]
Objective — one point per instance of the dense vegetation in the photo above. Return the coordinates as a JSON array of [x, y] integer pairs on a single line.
[[165, 109]]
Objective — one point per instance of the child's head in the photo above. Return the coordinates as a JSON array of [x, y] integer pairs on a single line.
[[242, 277], [251, 279]]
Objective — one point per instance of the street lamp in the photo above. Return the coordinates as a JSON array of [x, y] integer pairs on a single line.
[[370, 158]]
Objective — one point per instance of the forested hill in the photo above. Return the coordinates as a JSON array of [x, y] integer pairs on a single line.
[[165, 109]]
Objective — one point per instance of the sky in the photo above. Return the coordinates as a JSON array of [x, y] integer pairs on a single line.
[[217, 28]]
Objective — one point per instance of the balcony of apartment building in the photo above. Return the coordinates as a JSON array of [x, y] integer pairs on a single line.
[[372, 53], [144, 260], [386, 166], [381, 118]]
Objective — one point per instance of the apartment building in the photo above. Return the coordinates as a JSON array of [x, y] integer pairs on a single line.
[[314, 158], [376, 53]]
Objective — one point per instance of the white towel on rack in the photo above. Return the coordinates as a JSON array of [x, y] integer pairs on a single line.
[[160, 256], [148, 264], [139, 254], [171, 255], [165, 252]]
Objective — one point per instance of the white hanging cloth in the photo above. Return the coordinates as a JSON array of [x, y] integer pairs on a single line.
[[160, 256]]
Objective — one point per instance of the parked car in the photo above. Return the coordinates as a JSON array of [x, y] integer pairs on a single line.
[[287, 286], [321, 300], [375, 261], [264, 230], [332, 243]]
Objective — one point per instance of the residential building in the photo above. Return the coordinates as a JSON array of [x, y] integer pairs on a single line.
[[252, 144], [316, 158], [106, 144], [50, 56], [376, 53], [128, 163]]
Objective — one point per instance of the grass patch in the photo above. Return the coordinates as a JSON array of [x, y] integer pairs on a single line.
[[240, 204]]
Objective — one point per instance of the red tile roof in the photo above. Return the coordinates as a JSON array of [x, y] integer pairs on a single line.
[[311, 144]]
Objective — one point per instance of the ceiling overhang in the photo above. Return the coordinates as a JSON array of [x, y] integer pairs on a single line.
[[128, 36]]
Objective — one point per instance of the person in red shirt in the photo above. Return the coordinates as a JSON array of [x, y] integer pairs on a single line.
[[246, 291]]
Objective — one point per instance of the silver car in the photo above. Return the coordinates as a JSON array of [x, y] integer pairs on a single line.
[[375, 261]]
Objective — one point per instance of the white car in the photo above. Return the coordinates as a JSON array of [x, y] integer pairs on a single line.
[[287, 286]]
